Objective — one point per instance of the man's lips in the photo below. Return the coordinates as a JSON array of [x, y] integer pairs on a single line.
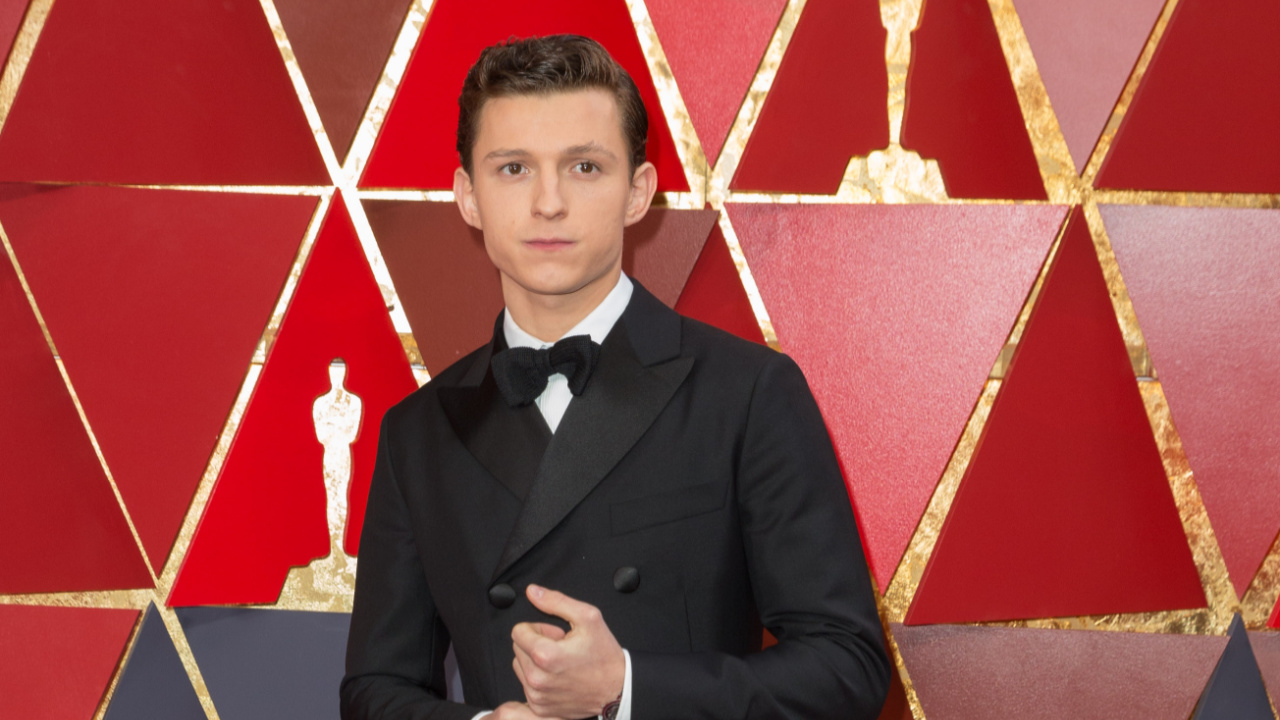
[[549, 243]]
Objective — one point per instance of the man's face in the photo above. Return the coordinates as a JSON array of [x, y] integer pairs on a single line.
[[551, 189]]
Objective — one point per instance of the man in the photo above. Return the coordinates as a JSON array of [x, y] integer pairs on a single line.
[[601, 528]]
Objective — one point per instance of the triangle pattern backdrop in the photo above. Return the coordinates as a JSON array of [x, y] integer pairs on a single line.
[[962, 109], [60, 524], [57, 661], [818, 113], [1065, 509], [1085, 51], [416, 148], [849, 286], [153, 682], [713, 60], [1206, 291], [158, 92], [156, 300], [1235, 692], [979, 673], [714, 292], [10, 22], [1205, 115], [341, 48], [267, 512]]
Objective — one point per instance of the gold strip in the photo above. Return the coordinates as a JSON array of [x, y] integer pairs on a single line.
[[119, 599], [75, 400], [1264, 591], [1024, 315], [1125, 314], [380, 103], [404, 195], [1052, 154], [781, 198], [105, 701], [688, 147], [1126, 96], [748, 281], [205, 489], [297, 190], [188, 658], [20, 54], [1185, 199], [908, 687], [300, 86], [736, 142]]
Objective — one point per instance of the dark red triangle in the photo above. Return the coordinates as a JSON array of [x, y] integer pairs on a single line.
[[1085, 51], [267, 510], [342, 47], [962, 109], [155, 300], [714, 292], [1065, 509], [158, 92], [60, 524], [1206, 292], [714, 59], [1205, 125], [57, 661], [416, 147], [851, 290], [451, 292], [980, 673], [1266, 649], [821, 113]]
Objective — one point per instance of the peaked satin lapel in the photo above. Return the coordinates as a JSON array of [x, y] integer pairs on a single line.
[[508, 442], [624, 397]]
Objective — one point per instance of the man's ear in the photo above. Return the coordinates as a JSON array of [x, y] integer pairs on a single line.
[[644, 182], [464, 194]]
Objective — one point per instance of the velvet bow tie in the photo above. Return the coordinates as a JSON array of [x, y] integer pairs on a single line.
[[521, 373]]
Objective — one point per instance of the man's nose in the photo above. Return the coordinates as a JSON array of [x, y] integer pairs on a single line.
[[548, 202]]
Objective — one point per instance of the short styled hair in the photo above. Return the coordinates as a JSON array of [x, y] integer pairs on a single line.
[[542, 66]]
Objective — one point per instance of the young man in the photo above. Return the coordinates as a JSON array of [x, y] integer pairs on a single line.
[[604, 526]]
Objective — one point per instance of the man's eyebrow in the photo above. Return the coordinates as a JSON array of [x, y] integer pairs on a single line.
[[590, 148], [504, 153]]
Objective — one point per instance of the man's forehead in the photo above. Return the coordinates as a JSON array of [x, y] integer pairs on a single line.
[[575, 121]]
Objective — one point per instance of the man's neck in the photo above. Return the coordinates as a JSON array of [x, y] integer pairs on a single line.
[[549, 317]]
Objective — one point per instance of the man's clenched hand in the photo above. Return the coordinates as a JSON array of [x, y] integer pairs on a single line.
[[568, 675]]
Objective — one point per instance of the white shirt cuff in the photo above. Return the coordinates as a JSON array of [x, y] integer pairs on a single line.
[[482, 714], [624, 707]]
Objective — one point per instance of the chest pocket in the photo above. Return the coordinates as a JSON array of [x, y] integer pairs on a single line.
[[630, 515]]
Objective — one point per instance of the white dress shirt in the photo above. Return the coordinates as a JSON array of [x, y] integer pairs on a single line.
[[555, 399]]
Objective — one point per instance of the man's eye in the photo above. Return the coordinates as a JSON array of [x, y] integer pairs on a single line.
[[512, 169], [586, 166]]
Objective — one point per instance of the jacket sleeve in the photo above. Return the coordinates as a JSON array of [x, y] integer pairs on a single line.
[[397, 644], [808, 577]]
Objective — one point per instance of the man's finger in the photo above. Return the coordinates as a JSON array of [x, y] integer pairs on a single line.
[[547, 630], [553, 602], [541, 649]]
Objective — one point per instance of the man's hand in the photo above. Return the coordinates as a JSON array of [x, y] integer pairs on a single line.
[[513, 711], [570, 675]]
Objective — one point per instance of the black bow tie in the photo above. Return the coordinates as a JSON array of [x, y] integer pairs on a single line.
[[521, 373]]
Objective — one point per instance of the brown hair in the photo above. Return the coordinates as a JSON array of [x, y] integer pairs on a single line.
[[545, 65]]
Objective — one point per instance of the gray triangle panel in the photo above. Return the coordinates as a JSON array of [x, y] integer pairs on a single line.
[[1235, 691], [269, 664], [153, 683]]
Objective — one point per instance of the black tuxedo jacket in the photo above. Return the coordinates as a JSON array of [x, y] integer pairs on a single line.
[[691, 493]]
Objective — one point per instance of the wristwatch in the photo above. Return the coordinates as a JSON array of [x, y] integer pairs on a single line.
[[610, 711]]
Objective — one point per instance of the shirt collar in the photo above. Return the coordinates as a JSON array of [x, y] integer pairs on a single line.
[[597, 323]]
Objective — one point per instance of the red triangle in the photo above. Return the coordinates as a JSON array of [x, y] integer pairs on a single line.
[[821, 113], [714, 60], [979, 673], [155, 300], [1085, 51], [851, 290], [714, 292], [1065, 509], [1206, 291], [267, 510], [962, 109], [60, 524], [1193, 126], [341, 48], [416, 148], [57, 661], [451, 292], [158, 92]]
